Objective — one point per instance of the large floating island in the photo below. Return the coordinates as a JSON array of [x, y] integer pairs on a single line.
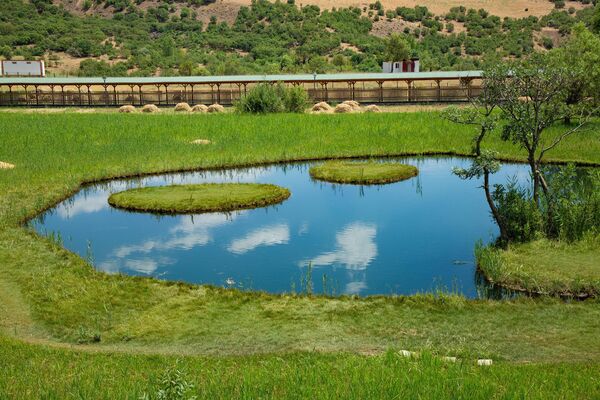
[[200, 198]]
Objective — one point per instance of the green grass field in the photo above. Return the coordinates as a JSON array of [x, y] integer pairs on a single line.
[[61, 321]]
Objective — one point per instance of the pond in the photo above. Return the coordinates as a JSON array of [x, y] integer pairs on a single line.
[[408, 237]]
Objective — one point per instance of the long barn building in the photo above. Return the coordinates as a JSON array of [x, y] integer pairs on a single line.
[[376, 88]]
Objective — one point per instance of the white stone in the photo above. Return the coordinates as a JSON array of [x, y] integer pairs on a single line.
[[405, 353], [483, 362]]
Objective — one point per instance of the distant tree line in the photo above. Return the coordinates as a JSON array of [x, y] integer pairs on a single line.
[[266, 37]]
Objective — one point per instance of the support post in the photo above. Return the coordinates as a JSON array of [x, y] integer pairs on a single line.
[[79, 94], [89, 95], [106, 100], [26, 95], [158, 94]]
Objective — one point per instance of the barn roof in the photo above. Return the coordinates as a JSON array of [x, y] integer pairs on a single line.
[[441, 75]]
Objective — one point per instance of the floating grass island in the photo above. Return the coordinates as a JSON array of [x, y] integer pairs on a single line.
[[363, 173], [545, 267], [200, 198]]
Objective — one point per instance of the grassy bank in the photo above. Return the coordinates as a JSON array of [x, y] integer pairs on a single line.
[[546, 267], [50, 296], [69, 374]]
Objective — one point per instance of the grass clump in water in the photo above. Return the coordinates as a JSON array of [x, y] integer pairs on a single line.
[[206, 197], [546, 266], [364, 173]]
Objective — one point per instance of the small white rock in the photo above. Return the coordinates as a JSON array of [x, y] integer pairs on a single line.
[[405, 353], [201, 141], [484, 362], [5, 165], [449, 359]]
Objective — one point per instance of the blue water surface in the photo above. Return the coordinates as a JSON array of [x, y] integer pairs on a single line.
[[403, 238]]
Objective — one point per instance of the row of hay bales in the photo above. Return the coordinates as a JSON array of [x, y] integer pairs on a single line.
[[181, 107], [347, 106]]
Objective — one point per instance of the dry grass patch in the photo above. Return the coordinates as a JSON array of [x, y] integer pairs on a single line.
[[322, 107], [200, 108], [215, 108], [343, 109], [150, 108], [355, 105], [5, 165], [183, 107], [372, 109], [127, 109]]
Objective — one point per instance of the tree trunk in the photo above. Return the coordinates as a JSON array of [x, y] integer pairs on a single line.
[[495, 213]]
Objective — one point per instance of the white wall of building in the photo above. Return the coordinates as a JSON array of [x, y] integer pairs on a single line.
[[22, 68], [397, 66]]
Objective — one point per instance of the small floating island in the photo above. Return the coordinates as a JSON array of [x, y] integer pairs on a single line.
[[363, 173], [200, 198]]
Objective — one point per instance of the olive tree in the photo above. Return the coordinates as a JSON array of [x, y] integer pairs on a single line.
[[534, 98], [483, 114]]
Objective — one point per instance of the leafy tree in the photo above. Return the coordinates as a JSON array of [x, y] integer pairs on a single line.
[[186, 68], [580, 57], [534, 98], [596, 19], [397, 48]]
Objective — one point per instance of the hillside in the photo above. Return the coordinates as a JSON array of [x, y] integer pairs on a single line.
[[227, 9], [127, 37]]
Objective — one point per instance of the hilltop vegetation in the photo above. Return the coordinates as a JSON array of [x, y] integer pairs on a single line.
[[169, 37]]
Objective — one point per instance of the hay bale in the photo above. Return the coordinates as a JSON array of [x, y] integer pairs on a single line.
[[5, 165], [343, 109], [150, 108], [372, 108], [201, 141], [127, 109], [185, 107], [216, 108], [201, 108], [321, 107], [354, 104]]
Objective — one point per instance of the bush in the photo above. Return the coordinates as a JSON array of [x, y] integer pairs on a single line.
[[273, 98], [296, 99], [569, 211], [262, 99], [522, 219], [572, 203]]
